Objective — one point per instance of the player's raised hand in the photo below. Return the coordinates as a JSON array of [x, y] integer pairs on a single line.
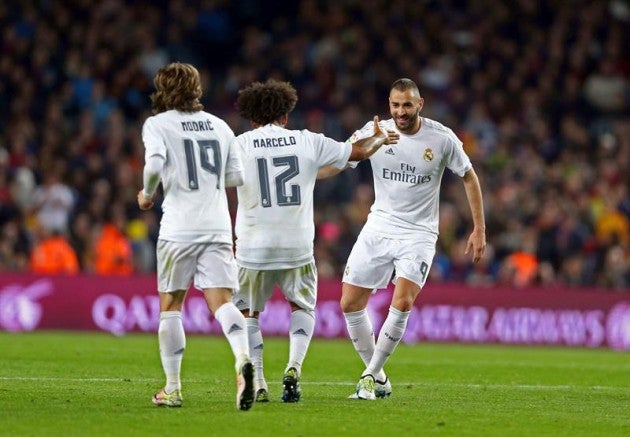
[[391, 137]]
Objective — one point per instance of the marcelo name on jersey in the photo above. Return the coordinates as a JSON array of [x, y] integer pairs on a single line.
[[275, 142]]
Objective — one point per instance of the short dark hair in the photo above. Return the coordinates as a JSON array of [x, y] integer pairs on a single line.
[[405, 84], [264, 103], [177, 86]]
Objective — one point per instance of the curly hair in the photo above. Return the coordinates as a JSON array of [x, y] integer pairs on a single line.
[[177, 86], [264, 103]]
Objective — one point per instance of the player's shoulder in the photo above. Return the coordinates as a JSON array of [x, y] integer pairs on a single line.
[[155, 123], [265, 131], [153, 119], [367, 129], [436, 128], [305, 133], [214, 119], [166, 117], [314, 138], [387, 124], [161, 117]]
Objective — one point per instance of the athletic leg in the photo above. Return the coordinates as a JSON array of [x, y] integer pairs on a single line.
[[354, 302], [234, 328], [172, 343], [393, 328], [256, 347]]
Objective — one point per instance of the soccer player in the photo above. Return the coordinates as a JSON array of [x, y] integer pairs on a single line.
[[398, 240], [274, 222], [190, 152]]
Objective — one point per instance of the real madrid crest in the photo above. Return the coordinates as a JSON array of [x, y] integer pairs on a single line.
[[428, 155]]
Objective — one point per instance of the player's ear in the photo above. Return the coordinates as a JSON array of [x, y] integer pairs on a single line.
[[420, 103]]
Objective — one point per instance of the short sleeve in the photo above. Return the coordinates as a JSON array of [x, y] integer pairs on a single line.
[[457, 159], [329, 151]]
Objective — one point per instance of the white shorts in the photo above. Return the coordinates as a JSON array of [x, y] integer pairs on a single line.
[[299, 285], [210, 265], [374, 260]]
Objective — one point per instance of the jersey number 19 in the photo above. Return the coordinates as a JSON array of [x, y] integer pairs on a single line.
[[205, 147]]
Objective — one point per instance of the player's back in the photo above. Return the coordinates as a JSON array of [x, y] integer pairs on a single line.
[[196, 147], [274, 221]]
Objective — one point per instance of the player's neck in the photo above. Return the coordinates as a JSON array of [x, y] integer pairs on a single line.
[[417, 126], [414, 129]]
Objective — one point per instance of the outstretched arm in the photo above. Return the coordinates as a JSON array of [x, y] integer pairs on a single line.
[[363, 149], [329, 171], [366, 147], [477, 239]]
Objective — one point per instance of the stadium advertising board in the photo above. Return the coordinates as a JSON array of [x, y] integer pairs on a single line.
[[443, 313]]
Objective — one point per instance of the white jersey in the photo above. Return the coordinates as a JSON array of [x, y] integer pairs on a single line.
[[407, 177], [197, 148], [274, 221]]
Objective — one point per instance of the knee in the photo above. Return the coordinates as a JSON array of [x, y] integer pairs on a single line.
[[345, 304], [403, 303], [354, 298], [349, 304]]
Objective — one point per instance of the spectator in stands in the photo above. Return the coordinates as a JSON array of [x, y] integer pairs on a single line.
[[112, 252], [556, 79], [53, 255], [14, 247], [606, 88], [53, 201]]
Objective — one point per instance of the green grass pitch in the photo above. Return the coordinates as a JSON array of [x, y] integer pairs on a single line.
[[92, 384]]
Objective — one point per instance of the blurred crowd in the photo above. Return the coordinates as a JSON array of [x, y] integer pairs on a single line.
[[539, 92]]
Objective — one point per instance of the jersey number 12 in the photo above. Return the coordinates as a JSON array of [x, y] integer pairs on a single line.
[[281, 181]]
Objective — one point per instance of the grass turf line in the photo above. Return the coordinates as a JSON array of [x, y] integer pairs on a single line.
[[62, 383]]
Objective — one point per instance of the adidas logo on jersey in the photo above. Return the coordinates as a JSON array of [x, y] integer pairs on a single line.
[[389, 151]]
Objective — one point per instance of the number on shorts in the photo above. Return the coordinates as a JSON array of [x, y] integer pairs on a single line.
[[424, 268]]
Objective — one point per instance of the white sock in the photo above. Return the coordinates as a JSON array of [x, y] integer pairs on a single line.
[[233, 325], [362, 335], [300, 333], [256, 351], [389, 337], [172, 342]]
